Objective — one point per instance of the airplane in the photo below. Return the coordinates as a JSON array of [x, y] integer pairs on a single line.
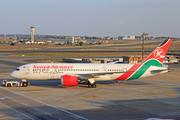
[[71, 74]]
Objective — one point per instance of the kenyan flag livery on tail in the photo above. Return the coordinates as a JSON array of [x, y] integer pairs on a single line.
[[151, 64], [160, 52]]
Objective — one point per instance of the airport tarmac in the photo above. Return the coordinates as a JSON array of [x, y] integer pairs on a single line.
[[152, 97]]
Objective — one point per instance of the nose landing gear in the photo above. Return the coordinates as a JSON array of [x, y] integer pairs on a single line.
[[25, 83]]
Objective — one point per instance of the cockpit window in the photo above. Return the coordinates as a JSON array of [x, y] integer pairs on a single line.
[[17, 69]]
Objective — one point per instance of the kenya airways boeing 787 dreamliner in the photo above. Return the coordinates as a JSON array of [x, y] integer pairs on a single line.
[[73, 73]]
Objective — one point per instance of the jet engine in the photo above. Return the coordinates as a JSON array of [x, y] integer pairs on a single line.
[[69, 80]]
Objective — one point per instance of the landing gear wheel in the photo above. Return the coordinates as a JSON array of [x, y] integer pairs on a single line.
[[25, 84], [93, 85], [8, 85], [89, 84]]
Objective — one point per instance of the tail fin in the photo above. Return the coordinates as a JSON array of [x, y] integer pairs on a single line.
[[156, 58], [158, 55]]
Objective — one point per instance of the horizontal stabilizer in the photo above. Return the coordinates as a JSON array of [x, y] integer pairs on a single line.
[[160, 69]]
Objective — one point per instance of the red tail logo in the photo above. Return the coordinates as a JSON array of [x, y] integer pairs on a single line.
[[159, 53]]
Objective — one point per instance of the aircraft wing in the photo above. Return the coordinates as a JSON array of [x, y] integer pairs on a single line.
[[92, 75]]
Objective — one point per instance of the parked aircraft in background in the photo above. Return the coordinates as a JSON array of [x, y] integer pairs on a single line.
[[73, 73]]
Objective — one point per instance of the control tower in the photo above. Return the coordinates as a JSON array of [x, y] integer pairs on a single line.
[[72, 39], [32, 29]]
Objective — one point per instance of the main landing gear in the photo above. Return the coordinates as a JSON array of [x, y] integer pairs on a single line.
[[91, 85]]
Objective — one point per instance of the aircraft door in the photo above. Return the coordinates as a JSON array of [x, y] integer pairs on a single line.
[[25, 70], [53, 74], [104, 69]]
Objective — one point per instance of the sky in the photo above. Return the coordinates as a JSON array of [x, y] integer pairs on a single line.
[[91, 17]]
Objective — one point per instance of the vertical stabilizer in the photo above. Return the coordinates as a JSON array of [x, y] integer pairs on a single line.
[[159, 53], [156, 58]]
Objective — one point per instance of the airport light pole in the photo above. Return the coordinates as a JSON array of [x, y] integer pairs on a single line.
[[143, 36]]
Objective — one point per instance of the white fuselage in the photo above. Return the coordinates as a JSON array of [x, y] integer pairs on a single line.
[[45, 71], [42, 71]]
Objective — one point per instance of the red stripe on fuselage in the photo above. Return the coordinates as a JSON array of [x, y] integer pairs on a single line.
[[128, 74]]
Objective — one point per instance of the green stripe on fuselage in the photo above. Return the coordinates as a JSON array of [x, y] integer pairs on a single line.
[[144, 67]]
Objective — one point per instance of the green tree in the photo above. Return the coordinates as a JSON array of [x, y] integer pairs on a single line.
[[90, 43], [81, 43], [12, 44], [99, 43], [59, 44], [69, 43], [77, 44]]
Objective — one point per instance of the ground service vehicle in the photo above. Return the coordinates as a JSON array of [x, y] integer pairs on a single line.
[[7, 83]]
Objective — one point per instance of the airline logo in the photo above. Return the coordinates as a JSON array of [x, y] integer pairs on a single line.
[[51, 67], [159, 53]]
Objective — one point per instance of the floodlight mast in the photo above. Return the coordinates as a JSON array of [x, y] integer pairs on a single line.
[[143, 36]]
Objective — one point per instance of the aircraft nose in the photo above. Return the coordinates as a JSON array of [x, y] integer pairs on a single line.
[[12, 74]]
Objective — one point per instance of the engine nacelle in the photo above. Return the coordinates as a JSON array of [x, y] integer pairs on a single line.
[[69, 80]]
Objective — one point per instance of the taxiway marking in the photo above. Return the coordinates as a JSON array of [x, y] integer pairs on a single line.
[[17, 111], [72, 114]]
